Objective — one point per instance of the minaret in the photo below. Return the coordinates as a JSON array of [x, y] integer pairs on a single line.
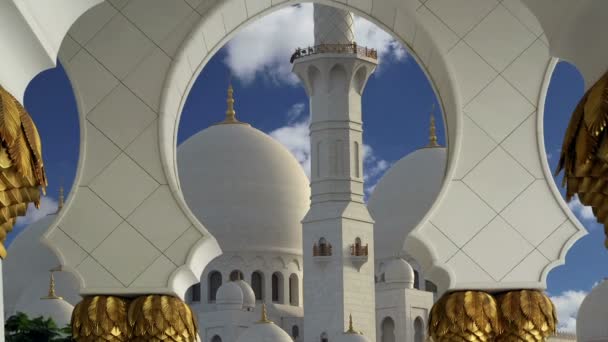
[[336, 282]]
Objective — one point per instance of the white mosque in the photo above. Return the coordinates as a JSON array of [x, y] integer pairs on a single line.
[[302, 259], [255, 212], [253, 195]]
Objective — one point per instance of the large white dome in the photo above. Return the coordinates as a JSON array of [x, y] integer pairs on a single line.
[[246, 188], [26, 269], [403, 196], [592, 319]]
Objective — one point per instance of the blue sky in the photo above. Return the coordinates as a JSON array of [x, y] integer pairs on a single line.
[[396, 106]]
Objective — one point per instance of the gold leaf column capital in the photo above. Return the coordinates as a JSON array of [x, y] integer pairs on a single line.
[[100, 318], [22, 174], [464, 316], [527, 315], [161, 318]]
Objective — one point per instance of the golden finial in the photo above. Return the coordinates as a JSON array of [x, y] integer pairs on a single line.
[[264, 319], [61, 199], [351, 328], [433, 131], [230, 112], [51, 294]]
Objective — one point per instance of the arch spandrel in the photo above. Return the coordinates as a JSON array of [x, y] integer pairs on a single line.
[[142, 157]]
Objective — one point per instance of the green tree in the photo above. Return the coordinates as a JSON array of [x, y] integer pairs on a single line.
[[21, 328]]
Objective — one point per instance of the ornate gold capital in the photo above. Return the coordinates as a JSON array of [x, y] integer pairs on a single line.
[[514, 316], [464, 316], [100, 318], [527, 315], [584, 155], [161, 318], [21, 167]]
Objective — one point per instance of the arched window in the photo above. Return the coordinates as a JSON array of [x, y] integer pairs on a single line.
[[295, 332], [324, 337], [418, 330], [257, 284], [388, 330], [416, 280], [216, 338], [236, 275], [323, 248], [215, 281], [277, 287], [294, 290], [195, 293], [430, 286]]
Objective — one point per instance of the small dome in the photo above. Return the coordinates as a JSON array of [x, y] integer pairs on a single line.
[[50, 306], [239, 182], [399, 271], [26, 268], [403, 196], [248, 294], [593, 315], [229, 297], [264, 331], [58, 310], [351, 337]]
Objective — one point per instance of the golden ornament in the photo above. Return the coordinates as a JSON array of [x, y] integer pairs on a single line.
[[161, 318], [526, 315], [21, 167], [464, 316], [584, 155], [100, 318]]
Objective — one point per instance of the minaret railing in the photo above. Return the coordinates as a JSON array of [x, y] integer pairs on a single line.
[[351, 48]]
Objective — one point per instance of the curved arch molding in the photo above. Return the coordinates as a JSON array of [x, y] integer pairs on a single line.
[[497, 222]]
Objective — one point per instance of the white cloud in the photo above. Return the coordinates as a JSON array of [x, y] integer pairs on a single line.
[[567, 305], [295, 112], [263, 48], [47, 206], [585, 213], [295, 136]]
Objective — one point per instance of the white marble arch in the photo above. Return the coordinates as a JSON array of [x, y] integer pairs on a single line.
[[122, 58]]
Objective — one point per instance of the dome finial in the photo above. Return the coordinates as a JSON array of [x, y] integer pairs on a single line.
[[51, 294], [351, 328], [230, 112], [264, 319], [61, 199], [433, 130]]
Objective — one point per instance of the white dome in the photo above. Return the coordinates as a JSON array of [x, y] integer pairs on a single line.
[[26, 269], [346, 337], [403, 196], [264, 332], [399, 271], [229, 296], [246, 188], [592, 319], [57, 309], [248, 294]]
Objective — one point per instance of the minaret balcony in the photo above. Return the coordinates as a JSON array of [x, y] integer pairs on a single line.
[[322, 252], [349, 49], [359, 254]]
